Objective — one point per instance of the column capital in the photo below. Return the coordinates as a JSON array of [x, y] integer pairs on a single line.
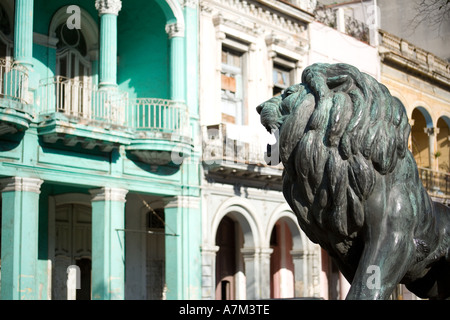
[[249, 253], [297, 254], [108, 6], [175, 30], [182, 202], [21, 184], [108, 194]]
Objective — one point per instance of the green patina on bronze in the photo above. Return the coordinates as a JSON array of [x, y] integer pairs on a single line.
[[354, 185]]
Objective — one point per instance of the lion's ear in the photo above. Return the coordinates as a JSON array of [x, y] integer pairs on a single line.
[[340, 83]]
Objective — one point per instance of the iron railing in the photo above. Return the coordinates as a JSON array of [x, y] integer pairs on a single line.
[[437, 183], [234, 144], [152, 114], [80, 100], [13, 81]]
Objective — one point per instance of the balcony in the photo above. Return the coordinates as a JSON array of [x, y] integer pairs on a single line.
[[437, 183], [161, 130], [73, 112], [396, 51], [15, 111], [334, 16], [156, 131], [232, 152]]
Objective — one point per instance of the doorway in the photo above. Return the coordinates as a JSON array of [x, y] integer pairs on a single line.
[[73, 237]]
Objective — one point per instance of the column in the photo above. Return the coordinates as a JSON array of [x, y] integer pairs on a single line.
[[175, 32], [183, 242], [20, 203], [108, 11], [299, 283], [265, 272], [108, 243], [209, 253], [23, 33], [252, 268], [430, 131]]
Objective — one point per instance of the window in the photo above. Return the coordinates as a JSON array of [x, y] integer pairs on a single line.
[[232, 86], [281, 79], [6, 35], [73, 70], [156, 219]]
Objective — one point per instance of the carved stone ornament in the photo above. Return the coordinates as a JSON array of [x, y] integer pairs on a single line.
[[354, 185], [108, 6], [175, 30]]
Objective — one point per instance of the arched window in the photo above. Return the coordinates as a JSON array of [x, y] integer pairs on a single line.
[[73, 71], [75, 51], [71, 60]]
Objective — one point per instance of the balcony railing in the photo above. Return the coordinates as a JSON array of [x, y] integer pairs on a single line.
[[80, 100], [234, 144], [85, 104], [13, 82], [162, 115], [398, 49], [329, 16], [437, 183]]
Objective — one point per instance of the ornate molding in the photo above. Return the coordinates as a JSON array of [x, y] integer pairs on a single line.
[[21, 184], [189, 3], [108, 194], [175, 30], [182, 202], [277, 15], [108, 6]]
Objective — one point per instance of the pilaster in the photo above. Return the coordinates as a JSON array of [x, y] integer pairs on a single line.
[[108, 243], [265, 254], [298, 258], [19, 255], [252, 272], [183, 241]]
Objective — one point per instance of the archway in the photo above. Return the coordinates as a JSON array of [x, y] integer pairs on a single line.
[[443, 144], [422, 132], [247, 244], [281, 262], [75, 52], [228, 259], [289, 260]]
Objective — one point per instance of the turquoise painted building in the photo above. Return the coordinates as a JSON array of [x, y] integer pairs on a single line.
[[99, 167]]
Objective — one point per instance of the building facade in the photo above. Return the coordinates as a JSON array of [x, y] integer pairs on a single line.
[[98, 169], [132, 155], [252, 245]]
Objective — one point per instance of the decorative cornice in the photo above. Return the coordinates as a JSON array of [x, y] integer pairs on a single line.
[[108, 194], [108, 6], [277, 14], [404, 54], [20, 184]]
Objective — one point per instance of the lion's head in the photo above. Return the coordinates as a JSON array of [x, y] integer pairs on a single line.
[[337, 129]]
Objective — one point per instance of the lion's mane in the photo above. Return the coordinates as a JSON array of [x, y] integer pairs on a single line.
[[339, 128]]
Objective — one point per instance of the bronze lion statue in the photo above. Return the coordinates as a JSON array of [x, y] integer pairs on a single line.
[[354, 185]]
